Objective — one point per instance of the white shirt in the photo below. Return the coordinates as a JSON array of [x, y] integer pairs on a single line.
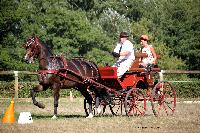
[[149, 58], [126, 46]]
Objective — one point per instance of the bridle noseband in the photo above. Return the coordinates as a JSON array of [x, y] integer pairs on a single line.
[[31, 44]]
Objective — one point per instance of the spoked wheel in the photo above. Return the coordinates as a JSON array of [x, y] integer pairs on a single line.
[[135, 103], [116, 107], [163, 99]]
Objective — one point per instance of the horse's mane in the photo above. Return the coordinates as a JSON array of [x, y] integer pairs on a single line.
[[45, 45]]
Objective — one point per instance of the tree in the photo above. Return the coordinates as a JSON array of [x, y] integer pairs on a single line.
[[91, 28]]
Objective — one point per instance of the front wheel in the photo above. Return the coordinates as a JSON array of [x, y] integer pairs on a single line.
[[116, 107], [135, 103], [163, 99]]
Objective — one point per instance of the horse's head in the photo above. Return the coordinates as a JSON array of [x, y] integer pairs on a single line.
[[32, 49]]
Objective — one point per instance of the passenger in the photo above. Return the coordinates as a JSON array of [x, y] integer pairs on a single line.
[[151, 58], [125, 53]]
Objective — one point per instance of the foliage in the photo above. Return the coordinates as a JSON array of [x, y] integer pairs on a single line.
[[90, 29], [100, 57], [187, 90], [7, 90], [183, 90]]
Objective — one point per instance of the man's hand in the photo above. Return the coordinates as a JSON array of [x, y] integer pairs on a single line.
[[115, 54]]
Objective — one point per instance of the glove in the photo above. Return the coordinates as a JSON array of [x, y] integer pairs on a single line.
[[115, 54]]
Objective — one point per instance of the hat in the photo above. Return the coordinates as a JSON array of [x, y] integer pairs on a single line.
[[144, 37], [123, 34]]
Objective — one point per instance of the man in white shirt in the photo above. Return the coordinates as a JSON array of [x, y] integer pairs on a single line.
[[125, 53]]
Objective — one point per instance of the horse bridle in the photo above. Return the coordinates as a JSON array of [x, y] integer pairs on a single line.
[[33, 50]]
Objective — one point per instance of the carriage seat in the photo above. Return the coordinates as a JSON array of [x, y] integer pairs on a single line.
[[135, 67]]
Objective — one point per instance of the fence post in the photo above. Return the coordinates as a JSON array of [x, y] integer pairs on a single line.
[[161, 75], [71, 96], [16, 84]]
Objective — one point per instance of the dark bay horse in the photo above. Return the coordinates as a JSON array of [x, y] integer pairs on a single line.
[[49, 65]]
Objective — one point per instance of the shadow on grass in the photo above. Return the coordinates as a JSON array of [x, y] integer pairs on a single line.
[[44, 116]]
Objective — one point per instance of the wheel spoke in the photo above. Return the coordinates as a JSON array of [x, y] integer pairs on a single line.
[[164, 99], [116, 106], [135, 103]]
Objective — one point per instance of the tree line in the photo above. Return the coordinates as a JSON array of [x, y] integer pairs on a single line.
[[90, 28]]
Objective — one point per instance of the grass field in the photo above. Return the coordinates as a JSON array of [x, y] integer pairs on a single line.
[[72, 119]]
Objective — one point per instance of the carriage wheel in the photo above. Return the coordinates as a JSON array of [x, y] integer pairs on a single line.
[[163, 99], [135, 103], [116, 106]]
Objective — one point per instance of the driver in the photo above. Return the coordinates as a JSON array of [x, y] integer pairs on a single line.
[[125, 53]]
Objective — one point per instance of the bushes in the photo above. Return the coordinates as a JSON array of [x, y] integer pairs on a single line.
[[183, 89], [187, 89], [190, 89], [7, 90]]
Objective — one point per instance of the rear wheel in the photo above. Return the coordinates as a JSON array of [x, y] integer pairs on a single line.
[[163, 99], [135, 103]]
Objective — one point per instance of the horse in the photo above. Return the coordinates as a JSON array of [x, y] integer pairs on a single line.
[[50, 65]]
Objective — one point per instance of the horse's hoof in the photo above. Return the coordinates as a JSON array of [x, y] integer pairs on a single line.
[[90, 115], [99, 109], [40, 105], [54, 117]]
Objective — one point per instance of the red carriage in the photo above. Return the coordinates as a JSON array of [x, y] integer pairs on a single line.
[[100, 86], [135, 89]]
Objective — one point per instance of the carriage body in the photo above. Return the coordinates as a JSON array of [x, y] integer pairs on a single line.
[[136, 87], [135, 77]]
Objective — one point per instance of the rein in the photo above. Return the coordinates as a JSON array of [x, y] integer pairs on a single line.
[[64, 74]]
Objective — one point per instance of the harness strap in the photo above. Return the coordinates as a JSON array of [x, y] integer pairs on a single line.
[[62, 74]]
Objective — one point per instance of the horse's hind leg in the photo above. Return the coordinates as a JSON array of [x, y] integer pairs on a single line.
[[97, 102], [33, 93], [88, 97]]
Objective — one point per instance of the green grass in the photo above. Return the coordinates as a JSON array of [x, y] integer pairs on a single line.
[[72, 119]]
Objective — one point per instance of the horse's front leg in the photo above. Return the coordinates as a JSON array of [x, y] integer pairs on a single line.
[[56, 95], [33, 95]]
